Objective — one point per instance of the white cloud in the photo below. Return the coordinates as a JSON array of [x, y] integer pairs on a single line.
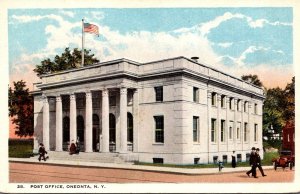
[[251, 49], [28, 18], [205, 28], [140, 46], [68, 13], [97, 15], [225, 44]]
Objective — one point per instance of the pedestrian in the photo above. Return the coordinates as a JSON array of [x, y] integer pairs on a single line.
[[72, 148], [253, 163], [233, 160], [259, 163], [42, 152]]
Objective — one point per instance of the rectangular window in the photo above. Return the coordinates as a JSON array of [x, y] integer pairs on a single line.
[[223, 101], [196, 94], [159, 93], [224, 159], [239, 157], [158, 160], [247, 157], [215, 159], [222, 130], [245, 131], [231, 104], [214, 99], [195, 129], [230, 129], [196, 160], [112, 100], [255, 132], [159, 129], [255, 108], [245, 106], [238, 105], [238, 127], [213, 130]]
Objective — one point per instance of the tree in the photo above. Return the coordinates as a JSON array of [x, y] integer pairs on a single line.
[[273, 110], [253, 79], [67, 60], [289, 102], [20, 104]]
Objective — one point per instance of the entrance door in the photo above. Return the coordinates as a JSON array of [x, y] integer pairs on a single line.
[[96, 133], [66, 133], [80, 132], [112, 132]]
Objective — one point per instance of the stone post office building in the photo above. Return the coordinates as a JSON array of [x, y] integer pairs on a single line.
[[174, 111]]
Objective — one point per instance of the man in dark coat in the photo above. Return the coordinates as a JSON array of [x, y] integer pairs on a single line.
[[259, 162], [42, 152], [253, 163]]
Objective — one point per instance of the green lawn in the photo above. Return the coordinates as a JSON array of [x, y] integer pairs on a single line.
[[266, 161], [19, 148]]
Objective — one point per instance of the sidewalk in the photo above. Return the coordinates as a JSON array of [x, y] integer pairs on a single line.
[[196, 171]]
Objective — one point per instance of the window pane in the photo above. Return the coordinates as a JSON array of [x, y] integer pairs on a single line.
[[196, 94], [159, 129], [213, 129], [159, 93], [195, 128]]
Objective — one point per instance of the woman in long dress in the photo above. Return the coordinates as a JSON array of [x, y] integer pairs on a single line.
[[233, 160]]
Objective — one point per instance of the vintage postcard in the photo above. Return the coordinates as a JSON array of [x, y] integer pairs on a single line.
[[149, 96]]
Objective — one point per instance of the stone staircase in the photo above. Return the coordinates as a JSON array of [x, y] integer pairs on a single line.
[[86, 157]]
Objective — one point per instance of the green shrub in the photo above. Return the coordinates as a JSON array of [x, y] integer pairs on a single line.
[[268, 156], [20, 148]]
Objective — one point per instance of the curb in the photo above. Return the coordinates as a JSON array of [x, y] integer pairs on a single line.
[[166, 170]]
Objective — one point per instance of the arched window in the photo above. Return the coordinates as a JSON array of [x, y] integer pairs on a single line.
[[80, 128], [66, 129], [112, 128], [129, 127], [96, 132]]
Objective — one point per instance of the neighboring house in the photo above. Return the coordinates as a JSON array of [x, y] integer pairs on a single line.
[[288, 137], [169, 111]]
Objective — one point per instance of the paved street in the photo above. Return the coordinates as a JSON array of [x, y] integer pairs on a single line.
[[41, 173]]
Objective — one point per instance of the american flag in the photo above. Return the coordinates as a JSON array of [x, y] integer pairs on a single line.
[[91, 28]]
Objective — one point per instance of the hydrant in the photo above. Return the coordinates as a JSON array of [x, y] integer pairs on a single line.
[[220, 166]]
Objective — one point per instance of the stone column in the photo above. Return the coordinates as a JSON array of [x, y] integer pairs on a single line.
[[218, 133], [88, 123], [73, 119], [46, 134], [135, 119], [209, 93], [105, 121], [227, 121], [59, 124], [123, 119]]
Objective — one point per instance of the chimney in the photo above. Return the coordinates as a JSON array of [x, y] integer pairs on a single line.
[[195, 59]]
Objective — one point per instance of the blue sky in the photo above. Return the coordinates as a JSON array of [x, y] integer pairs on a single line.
[[237, 40]]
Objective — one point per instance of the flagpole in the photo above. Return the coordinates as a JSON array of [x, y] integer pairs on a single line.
[[82, 51]]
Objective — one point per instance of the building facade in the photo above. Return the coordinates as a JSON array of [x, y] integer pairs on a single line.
[[174, 111]]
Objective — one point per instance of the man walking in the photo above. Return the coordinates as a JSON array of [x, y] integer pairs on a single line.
[[259, 162], [42, 152], [253, 163]]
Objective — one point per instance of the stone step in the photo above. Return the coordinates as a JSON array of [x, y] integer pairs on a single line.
[[87, 157]]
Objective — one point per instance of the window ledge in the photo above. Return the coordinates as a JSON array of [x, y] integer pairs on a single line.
[[157, 143], [196, 143]]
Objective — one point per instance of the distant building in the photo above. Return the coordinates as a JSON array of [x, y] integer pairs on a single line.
[[174, 111], [288, 137]]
